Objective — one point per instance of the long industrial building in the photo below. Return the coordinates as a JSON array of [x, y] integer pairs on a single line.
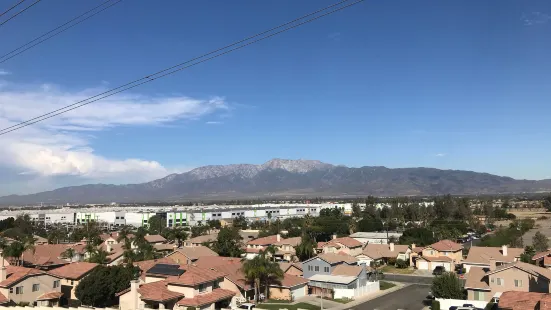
[[174, 215]]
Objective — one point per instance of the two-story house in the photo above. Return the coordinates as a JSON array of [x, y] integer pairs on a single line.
[[286, 248], [515, 300], [177, 287], [445, 253], [201, 240], [50, 256], [28, 285], [254, 247], [344, 245], [71, 275], [481, 256], [187, 255], [383, 253], [543, 259], [484, 284]]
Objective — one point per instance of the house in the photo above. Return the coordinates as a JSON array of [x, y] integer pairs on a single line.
[[28, 285], [375, 237], [155, 239], [342, 281], [177, 287], [115, 253], [286, 248], [344, 245], [445, 253], [514, 300], [186, 255], [543, 259], [71, 275], [325, 263], [200, 240], [254, 247], [112, 238], [148, 264], [290, 288], [383, 252], [484, 284], [294, 269], [49, 256], [480, 256]]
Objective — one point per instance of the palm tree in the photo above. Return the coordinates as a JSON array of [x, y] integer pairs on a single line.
[[176, 234], [99, 257], [273, 274], [124, 234], [15, 251], [305, 249], [28, 245], [69, 254], [254, 270], [271, 249]]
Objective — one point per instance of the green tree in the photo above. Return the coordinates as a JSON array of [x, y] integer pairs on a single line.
[[15, 251], [240, 222], [214, 224], [99, 256], [547, 202], [69, 254], [176, 234], [254, 270], [98, 289], [529, 252], [305, 250], [420, 236], [228, 242], [447, 286], [540, 242], [156, 224], [273, 275]]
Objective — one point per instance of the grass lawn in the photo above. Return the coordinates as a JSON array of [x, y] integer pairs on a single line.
[[276, 301], [386, 285], [300, 305], [342, 301], [392, 269]]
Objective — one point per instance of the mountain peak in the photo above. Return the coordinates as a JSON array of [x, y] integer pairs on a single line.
[[297, 166]]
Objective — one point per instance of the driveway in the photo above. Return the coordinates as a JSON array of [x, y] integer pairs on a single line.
[[411, 297]]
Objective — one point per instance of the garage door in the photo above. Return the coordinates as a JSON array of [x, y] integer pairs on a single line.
[[422, 265], [298, 291]]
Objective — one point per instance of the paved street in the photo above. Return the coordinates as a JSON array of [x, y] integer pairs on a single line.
[[414, 279], [408, 298]]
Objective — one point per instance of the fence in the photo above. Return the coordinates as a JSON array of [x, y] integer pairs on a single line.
[[447, 303], [421, 280]]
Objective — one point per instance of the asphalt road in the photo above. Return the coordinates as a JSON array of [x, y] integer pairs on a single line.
[[409, 298]]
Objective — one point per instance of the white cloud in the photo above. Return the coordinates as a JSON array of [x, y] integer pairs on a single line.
[[535, 18], [60, 146], [213, 123], [4, 72], [440, 155]]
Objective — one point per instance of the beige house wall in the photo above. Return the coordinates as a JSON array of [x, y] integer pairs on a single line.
[[457, 256], [127, 300], [71, 288], [294, 271], [46, 286], [280, 293], [178, 258], [150, 279]]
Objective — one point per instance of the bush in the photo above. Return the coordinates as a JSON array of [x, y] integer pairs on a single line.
[[490, 306], [435, 305], [391, 261], [400, 263], [190, 308]]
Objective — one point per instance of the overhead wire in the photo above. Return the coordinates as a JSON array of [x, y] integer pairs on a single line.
[[20, 12], [26, 46], [174, 69], [11, 8]]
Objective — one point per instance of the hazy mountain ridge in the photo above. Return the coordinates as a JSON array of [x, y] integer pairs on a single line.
[[283, 177]]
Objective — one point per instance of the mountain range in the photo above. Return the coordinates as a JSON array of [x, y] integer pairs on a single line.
[[288, 178]]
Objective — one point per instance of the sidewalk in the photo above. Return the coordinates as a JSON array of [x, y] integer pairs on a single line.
[[369, 297]]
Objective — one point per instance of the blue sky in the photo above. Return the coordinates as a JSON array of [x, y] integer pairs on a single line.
[[461, 85]]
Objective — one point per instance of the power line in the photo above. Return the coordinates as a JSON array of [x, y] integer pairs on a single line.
[[12, 7], [177, 68], [26, 46], [23, 10]]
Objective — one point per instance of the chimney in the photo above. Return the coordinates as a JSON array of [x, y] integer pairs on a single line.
[[504, 250], [392, 247], [108, 248], [413, 246], [3, 272], [492, 264], [134, 285], [278, 237], [334, 236]]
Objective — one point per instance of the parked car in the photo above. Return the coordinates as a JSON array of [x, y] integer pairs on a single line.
[[247, 306], [438, 270]]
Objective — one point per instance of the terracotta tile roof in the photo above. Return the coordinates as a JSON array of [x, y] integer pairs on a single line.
[[290, 281], [117, 250], [3, 299], [346, 241], [49, 254], [157, 291], [290, 241], [214, 261], [195, 252], [286, 266], [482, 255], [194, 275], [446, 245], [529, 268], [541, 254], [253, 250], [73, 271], [114, 235], [345, 270], [515, 300], [418, 249], [377, 251], [164, 246], [204, 238], [320, 245], [234, 273], [475, 279], [547, 261], [264, 241], [16, 274], [335, 258], [50, 296], [154, 238], [208, 298]]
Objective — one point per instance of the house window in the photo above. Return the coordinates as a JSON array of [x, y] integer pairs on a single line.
[[11, 290], [310, 268], [202, 288], [499, 281], [19, 290], [478, 295], [492, 280], [72, 282], [36, 287], [518, 283], [326, 269], [431, 252], [316, 268], [56, 283]]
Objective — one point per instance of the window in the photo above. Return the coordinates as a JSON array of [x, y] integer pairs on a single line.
[[310, 268], [36, 287], [72, 282], [492, 279], [56, 283], [478, 295], [11, 290], [316, 268], [499, 281], [202, 288], [325, 269], [19, 290], [518, 283]]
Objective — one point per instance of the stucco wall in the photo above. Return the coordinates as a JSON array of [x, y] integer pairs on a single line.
[[46, 285], [280, 293], [315, 262]]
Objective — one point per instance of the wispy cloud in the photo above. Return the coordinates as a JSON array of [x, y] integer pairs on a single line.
[[4, 72], [335, 36], [535, 18], [213, 123], [440, 155]]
